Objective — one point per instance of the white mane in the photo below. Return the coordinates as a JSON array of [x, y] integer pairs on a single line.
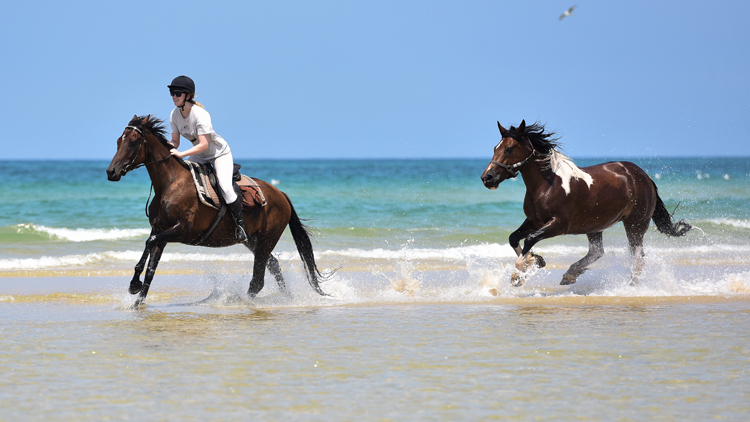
[[566, 170]]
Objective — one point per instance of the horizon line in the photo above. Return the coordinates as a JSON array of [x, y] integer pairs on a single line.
[[585, 157]]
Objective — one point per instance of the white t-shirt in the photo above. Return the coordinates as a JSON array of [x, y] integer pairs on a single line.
[[198, 123]]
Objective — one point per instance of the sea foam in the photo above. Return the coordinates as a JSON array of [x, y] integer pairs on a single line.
[[83, 235]]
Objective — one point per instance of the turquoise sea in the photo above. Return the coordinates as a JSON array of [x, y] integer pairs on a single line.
[[422, 322], [63, 217]]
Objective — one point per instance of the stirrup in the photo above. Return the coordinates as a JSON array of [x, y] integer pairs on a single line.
[[240, 235]]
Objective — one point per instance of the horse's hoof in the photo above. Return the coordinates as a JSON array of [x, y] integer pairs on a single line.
[[138, 302], [568, 279], [540, 262], [135, 287], [524, 262], [517, 280], [521, 264]]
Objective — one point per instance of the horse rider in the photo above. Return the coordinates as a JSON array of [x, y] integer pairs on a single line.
[[194, 124]]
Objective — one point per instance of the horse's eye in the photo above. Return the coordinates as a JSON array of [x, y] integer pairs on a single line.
[[508, 150]]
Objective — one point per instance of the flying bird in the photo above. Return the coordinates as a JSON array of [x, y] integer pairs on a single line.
[[567, 12]]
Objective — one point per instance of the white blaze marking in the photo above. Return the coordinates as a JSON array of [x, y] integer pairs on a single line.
[[564, 167]]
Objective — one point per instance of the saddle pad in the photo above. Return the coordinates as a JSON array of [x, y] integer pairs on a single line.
[[252, 196], [202, 175]]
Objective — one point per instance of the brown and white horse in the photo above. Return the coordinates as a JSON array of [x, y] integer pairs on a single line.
[[177, 215], [564, 199]]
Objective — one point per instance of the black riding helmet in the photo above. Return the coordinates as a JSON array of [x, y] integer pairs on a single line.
[[182, 84]]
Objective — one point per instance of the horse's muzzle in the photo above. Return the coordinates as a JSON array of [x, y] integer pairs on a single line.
[[491, 180], [114, 176]]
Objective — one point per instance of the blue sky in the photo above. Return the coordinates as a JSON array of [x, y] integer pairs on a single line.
[[381, 79]]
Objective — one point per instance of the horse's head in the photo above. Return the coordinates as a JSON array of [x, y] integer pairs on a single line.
[[511, 153], [130, 149]]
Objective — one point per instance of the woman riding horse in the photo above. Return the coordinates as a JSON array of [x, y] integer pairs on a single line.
[[177, 215], [194, 123]]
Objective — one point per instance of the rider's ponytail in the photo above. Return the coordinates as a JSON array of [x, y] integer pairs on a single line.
[[191, 98]]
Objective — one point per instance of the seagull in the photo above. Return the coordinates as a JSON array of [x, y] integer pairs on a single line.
[[567, 12]]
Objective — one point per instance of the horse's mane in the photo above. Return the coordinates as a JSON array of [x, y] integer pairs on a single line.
[[546, 144], [543, 141], [153, 125]]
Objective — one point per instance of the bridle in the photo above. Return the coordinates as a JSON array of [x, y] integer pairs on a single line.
[[512, 168], [130, 166]]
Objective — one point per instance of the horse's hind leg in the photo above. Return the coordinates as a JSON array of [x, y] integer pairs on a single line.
[[635, 233], [262, 255], [262, 260], [596, 251], [275, 269]]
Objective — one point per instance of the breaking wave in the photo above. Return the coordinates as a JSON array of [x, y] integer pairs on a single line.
[[23, 232]]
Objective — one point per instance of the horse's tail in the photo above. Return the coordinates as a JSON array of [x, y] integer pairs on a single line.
[[301, 237], [663, 219]]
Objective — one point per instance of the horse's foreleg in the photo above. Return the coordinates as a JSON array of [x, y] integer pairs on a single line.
[[596, 251], [515, 238], [153, 262], [154, 247], [515, 242], [135, 283], [275, 269], [551, 229], [527, 258]]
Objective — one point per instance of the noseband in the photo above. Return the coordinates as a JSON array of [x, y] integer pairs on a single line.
[[130, 167], [512, 168]]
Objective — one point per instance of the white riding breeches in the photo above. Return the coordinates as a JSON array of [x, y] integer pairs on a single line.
[[224, 166]]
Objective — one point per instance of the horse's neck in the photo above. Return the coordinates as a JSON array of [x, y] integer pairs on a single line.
[[536, 173], [164, 171]]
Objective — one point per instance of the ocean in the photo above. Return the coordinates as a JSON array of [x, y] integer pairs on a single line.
[[64, 218], [422, 322]]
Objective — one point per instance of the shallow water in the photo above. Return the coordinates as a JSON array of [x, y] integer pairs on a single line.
[[200, 350]]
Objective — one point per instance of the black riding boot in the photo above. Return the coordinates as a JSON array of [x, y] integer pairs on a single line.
[[235, 208]]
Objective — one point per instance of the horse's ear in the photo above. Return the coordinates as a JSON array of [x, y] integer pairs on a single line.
[[503, 131], [522, 127], [145, 119]]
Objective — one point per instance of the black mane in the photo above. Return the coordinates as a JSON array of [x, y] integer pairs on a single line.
[[542, 141], [153, 125]]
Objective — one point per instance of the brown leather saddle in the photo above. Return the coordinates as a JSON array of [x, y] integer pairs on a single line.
[[207, 186]]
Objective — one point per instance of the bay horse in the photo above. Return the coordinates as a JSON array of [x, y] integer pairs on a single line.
[[177, 215], [562, 198]]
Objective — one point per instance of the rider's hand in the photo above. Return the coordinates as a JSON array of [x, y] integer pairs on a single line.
[[175, 153]]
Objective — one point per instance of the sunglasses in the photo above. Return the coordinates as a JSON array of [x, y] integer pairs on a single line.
[[176, 93]]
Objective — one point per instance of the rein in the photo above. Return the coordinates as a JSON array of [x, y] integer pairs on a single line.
[[512, 168], [130, 166]]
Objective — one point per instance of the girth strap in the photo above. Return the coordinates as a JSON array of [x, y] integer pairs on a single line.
[[214, 224]]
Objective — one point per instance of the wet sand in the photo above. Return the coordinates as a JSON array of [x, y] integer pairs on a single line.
[[72, 350]]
